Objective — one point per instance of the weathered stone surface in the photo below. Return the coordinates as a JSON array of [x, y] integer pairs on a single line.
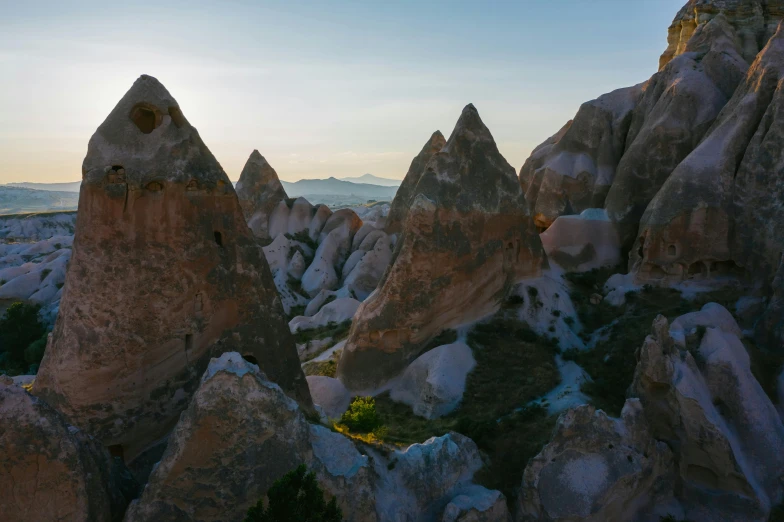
[[164, 275], [573, 170], [720, 208], [596, 468], [281, 255], [363, 278], [407, 190], [754, 22], [300, 216], [338, 311], [582, 243], [321, 214], [330, 394], [466, 239], [50, 470], [433, 385], [727, 437], [259, 191], [239, 434], [677, 106], [477, 504]]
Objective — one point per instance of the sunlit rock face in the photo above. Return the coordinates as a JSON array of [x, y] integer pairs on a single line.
[[164, 275], [677, 106], [402, 201], [259, 191], [754, 22], [721, 209], [573, 170], [467, 237]]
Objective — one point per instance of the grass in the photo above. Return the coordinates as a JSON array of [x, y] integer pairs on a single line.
[[514, 366], [326, 368], [296, 311], [337, 331]]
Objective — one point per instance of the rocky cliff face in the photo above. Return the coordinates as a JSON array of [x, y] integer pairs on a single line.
[[164, 275], [259, 191], [467, 237]]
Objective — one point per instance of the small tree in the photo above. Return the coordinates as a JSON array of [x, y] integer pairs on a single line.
[[296, 497], [20, 327], [361, 416]]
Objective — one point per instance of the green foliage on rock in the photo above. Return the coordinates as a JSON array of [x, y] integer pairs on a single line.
[[296, 497], [361, 415]]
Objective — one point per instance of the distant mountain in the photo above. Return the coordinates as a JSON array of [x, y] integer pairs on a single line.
[[336, 187], [16, 200], [71, 186], [374, 180]]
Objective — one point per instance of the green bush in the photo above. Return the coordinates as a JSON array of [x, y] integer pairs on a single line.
[[19, 328], [35, 351], [361, 416], [296, 497]]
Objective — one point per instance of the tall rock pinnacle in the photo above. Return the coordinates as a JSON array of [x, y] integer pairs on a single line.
[[164, 275], [259, 191]]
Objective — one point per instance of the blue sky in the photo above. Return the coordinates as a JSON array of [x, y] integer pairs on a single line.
[[322, 89]]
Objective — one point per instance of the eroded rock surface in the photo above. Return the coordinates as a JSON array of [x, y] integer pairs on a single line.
[[467, 237], [164, 275], [259, 191]]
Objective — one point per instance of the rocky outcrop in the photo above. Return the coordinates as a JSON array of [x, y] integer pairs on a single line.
[[754, 22], [596, 468], [433, 385], [405, 194], [720, 208], [466, 239], [477, 504], [53, 471], [164, 275], [573, 170], [705, 403], [584, 242], [337, 311], [259, 191], [677, 106]]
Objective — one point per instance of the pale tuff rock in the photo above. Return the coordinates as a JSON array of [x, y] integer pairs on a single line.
[[575, 172], [329, 394], [582, 243], [407, 190], [283, 256], [596, 468], [52, 471], [364, 276], [164, 275], [433, 385], [477, 504], [320, 216], [338, 311], [727, 436], [712, 314], [677, 106], [260, 191], [466, 239], [36, 227], [300, 216], [754, 22]]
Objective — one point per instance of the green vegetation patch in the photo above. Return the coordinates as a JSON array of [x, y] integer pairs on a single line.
[[22, 339], [296, 497], [326, 368], [337, 331]]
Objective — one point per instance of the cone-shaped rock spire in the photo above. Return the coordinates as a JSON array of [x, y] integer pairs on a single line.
[[259, 191]]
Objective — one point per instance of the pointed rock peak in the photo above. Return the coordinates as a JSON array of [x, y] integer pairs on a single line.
[[470, 126]]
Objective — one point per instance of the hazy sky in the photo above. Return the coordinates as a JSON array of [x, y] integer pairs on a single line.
[[321, 88]]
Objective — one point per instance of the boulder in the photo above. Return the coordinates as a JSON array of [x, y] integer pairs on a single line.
[[165, 274], [322, 274], [329, 394], [596, 468], [466, 239], [365, 275], [300, 216], [321, 214], [433, 385], [727, 437], [338, 311], [477, 504], [279, 219], [582, 243], [238, 435], [711, 315], [53, 471], [407, 191], [259, 192]]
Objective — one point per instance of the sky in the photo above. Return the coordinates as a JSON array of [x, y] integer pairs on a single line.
[[320, 88]]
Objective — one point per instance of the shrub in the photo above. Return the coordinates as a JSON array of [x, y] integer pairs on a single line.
[[19, 327], [35, 351], [296, 497], [361, 416]]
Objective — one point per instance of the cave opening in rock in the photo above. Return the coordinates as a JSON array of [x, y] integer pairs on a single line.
[[145, 118], [250, 359], [188, 342], [218, 238], [672, 251], [116, 450]]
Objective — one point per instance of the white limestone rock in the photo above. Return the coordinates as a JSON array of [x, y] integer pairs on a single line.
[[579, 243], [338, 311], [330, 394]]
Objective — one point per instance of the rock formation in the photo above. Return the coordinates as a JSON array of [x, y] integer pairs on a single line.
[[701, 398], [52, 471], [596, 469], [466, 239], [164, 275], [583, 242], [259, 191], [405, 194]]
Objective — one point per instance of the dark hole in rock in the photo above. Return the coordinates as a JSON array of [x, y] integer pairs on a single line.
[[177, 117], [116, 450], [192, 185], [657, 272], [154, 186], [218, 238], [145, 118], [117, 168], [672, 250], [250, 359], [188, 342]]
